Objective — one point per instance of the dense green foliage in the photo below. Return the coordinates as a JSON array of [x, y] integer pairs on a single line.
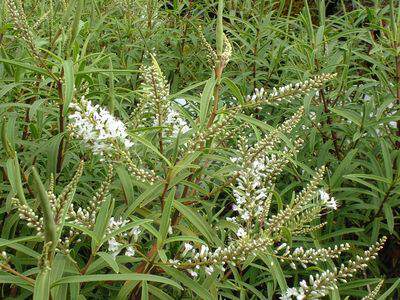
[[96, 48]]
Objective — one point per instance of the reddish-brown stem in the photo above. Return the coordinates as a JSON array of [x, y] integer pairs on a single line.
[[61, 121], [330, 123], [8, 269], [398, 100], [88, 263], [164, 192]]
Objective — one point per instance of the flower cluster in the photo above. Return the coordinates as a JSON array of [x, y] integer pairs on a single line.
[[270, 141], [217, 132], [212, 56], [236, 252], [21, 25], [155, 105], [99, 130], [119, 241], [105, 135], [320, 284], [373, 294], [120, 233], [175, 123], [287, 92], [26, 213], [87, 216], [308, 256], [254, 184], [327, 200], [253, 191]]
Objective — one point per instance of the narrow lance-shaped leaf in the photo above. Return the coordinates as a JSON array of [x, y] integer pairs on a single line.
[[220, 30], [166, 218], [48, 219]]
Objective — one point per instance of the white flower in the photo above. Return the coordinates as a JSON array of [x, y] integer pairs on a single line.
[[180, 101], [209, 270], [188, 247], [97, 127], [297, 294], [176, 122], [241, 232], [135, 231], [114, 224], [231, 219], [130, 251], [245, 215], [234, 159], [327, 200], [331, 204], [192, 273], [203, 250], [114, 247], [323, 195]]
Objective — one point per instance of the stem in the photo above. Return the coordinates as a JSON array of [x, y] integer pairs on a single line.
[[218, 74], [88, 263], [398, 99], [8, 269], [60, 154], [164, 192], [385, 198], [330, 123]]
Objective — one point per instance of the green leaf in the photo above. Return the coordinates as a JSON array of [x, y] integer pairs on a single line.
[[69, 83], [159, 293], [342, 168], [152, 148], [205, 100], [42, 286], [349, 115], [17, 281], [276, 270], [198, 222], [145, 291], [234, 89], [387, 209], [24, 66], [48, 219], [7, 243], [386, 294], [21, 248], [147, 196], [166, 218], [126, 183], [109, 260], [192, 285], [117, 277], [56, 272], [5, 139], [101, 222], [387, 159], [14, 176], [52, 153]]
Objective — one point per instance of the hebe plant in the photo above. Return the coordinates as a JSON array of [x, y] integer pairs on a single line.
[[206, 207]]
